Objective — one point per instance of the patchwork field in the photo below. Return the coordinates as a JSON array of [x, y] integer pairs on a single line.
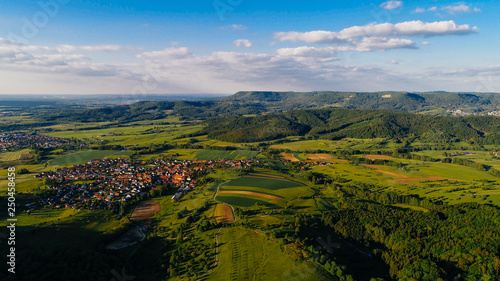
[[259, 188]]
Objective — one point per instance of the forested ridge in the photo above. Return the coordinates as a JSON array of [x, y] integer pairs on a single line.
[[341, 123], [251, 103]]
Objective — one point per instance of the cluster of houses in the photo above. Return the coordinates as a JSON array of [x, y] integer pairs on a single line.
[[103, 183], [458, 112], [23, 140]]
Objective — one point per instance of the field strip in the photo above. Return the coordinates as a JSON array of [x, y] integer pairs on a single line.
[[251, 193], [432, 178], [392, 174], [266, 175], [290, 157], [313, 157], [372, 166], [145, 211], [377, 157], [223, 213], [273, 178]]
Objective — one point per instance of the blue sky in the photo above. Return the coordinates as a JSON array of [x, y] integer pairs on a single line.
[[225, 46]]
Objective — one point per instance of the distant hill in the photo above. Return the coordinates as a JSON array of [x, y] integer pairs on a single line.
[[255, 103], [402, 101], [341, 123]]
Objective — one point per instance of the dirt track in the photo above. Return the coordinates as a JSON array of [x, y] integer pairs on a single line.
[[252, 194]]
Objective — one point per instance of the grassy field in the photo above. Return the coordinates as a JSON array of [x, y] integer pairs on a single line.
[[85, 156], [259, 188], [264, 182], [225, 154], [245, 201], [134, 133], [247, 255], [13, 156], [347, 143], [450, 183]]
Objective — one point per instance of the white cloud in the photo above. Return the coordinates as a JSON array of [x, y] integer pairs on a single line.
[[353, 34], [97, 48], [427, 29], [238, 27], [306, 51], [167, 53], [459, 8], [426, 43], [454, 9], [235, 27], [395, 62], [391, 5], [243, 43], [383, 43]]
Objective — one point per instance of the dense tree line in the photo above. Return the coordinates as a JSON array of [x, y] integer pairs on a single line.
[[450, 241]]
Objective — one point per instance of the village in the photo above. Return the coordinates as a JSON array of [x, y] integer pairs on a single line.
[[23, 140], [105, 183]]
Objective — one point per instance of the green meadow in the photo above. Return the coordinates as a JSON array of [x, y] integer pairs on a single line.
[[247, 255], [85, 156]]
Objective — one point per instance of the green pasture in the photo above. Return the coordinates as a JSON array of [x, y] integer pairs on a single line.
[[86, 156], [225, 154], [134, 134], [13, 156], [247, 255], [265, 183], [246, 201], [347, 143]]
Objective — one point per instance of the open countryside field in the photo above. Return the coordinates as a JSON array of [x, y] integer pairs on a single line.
[[245, 201], [246, 255], [14, 156], [225, 154], [132, 134], [347, 143], [86, 156], [296, 157], [439, 181], [250, 189], [223, 213]]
